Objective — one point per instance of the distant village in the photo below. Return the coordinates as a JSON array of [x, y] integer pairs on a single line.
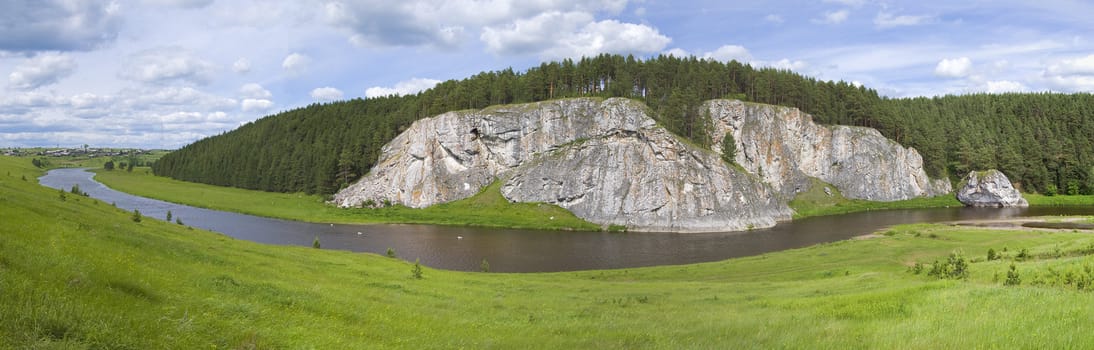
[[74, 152]]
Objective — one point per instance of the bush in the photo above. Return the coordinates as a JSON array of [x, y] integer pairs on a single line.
[[178, 221], [992, 255], [417, 269], [136, 215], [62, 195], [1012, 277], [315, 243], [1022, 255], [390, 252], [1050, 190], [485, 265], [955, 267], [168, 216]]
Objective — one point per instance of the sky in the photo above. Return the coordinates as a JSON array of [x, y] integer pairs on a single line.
[[165, 73]]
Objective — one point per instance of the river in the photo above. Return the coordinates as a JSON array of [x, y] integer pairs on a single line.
[[510, 250]]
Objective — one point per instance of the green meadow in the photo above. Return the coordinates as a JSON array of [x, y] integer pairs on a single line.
[[77, 273]]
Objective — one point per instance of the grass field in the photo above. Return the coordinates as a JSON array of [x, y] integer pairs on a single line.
[[815, 202], [78, 273], [487, 209]]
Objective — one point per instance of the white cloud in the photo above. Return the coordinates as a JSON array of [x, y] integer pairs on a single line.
[[189, 4], [885, 20], [167, 65], [442, 23], [42, 70], [773, 18], [676, 52], [31, 25], [326, 94], [253, 90], [406, 87], [640, 11], [854, 3], [255, 105], [572, 34], [726, 53], [833, 17], [953, 68], [295, 62], [241, 66], [1001, 86], [89, 100], [1071, 74], [787, 64]]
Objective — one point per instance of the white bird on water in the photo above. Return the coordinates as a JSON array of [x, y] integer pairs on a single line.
[[358, 233], [459, 237]]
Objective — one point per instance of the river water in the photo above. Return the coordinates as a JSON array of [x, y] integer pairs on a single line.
[[509, 250]]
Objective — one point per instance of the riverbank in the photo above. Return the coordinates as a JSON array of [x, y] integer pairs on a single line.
[[486, 209], [80, 273]]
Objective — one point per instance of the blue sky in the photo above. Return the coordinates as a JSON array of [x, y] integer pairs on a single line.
[[164, 73]]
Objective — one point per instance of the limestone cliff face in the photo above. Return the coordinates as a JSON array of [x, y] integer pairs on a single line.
[[784, 147], [989, 189], [606, 161]]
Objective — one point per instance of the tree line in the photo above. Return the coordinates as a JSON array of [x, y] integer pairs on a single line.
[[320, 148]]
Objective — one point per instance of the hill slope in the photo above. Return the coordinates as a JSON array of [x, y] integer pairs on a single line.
[[80, 273]]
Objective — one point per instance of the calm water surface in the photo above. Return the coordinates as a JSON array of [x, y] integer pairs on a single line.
[[510, 250]]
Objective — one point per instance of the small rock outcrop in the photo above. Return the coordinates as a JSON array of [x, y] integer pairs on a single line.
[[989, 189], [785, 147], [605, 161]]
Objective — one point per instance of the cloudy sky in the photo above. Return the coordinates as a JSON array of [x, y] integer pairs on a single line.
[[163, 73]]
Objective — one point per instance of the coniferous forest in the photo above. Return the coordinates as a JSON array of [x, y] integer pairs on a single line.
[[1042, 141]]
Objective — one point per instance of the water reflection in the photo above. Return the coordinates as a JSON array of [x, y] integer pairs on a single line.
[[510, 250]]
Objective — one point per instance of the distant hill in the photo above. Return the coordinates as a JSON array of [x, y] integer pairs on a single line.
[[1041, 141]]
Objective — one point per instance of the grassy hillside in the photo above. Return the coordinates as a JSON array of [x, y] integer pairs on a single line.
[[78, 273], [487, 209]]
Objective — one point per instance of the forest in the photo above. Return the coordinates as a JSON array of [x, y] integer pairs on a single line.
[[1042, 141]]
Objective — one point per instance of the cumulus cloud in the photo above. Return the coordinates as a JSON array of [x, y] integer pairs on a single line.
[[1002, 86], [189, 4], [676, 52], [241, 66], [255, 105], [885, 20], [42, 70], [787, 64], [441, 23], [833, 17], [167, 65], [253, 90], [727, 53], [57, 25], [406, 87], [571, 34], [1071, 74], [953, 68], [326, 94], [295, 62]]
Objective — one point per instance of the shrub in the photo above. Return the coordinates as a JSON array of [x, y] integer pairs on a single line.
[[315, 243], [1012, 277], [62, 195], [168, 216], [417, 269], [136, 215], [178, 221], [1022, 255], [485, 265], [955, 267], [76, 190], [729, 148], [390, 252], [1050, 190], [992, 255]]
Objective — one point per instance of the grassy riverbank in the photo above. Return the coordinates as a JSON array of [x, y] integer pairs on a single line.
[[79, 273], [816, 202], [486, 209]]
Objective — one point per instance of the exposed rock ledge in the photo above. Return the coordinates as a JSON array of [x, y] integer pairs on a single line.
[[785, 148], [609, 163]]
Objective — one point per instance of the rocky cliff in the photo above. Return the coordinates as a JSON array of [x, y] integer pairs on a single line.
[[784, 147], [608, 162]]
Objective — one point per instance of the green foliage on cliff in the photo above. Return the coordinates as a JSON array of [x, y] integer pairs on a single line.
[[1039, 140]]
